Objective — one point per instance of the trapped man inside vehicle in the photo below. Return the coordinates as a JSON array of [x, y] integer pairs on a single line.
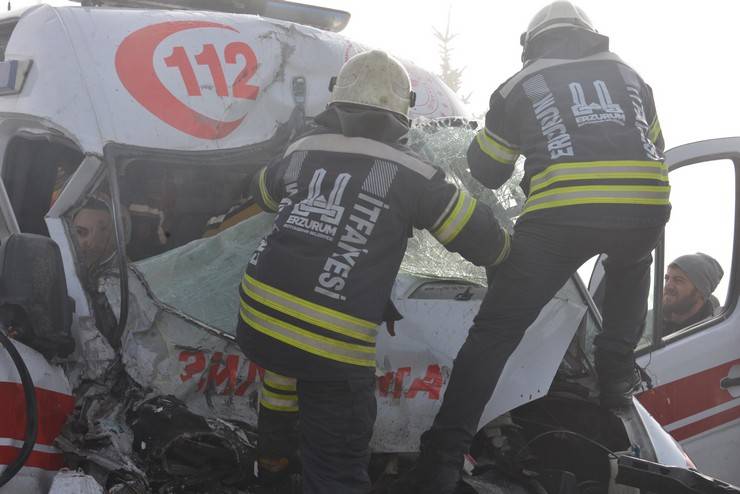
[[94, 231], [687, 292]]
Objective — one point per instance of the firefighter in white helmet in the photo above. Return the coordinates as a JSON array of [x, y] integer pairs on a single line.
[[347, 196], [595, 183]]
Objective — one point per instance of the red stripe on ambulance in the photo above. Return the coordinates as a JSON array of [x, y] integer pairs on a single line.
[[706, 424], [53, 409], [689, 396]]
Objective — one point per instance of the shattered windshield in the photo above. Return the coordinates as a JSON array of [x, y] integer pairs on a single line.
[[200, 277]]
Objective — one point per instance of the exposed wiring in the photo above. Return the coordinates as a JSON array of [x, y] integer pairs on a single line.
[[32, 417], [567, 432]]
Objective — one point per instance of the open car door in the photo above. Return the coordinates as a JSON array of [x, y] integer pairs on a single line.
[[695, 372]]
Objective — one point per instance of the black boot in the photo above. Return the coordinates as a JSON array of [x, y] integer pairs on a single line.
[[278, 475], [437, 470], [619, 379]]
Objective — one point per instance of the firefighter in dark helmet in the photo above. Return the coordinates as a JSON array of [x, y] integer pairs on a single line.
[[595, 183], [346, 197]]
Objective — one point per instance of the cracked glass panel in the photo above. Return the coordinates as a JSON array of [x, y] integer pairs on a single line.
[[201, 277]]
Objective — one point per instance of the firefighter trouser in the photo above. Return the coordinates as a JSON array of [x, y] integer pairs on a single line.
[[336, 423], [542, 259], [277, 425]]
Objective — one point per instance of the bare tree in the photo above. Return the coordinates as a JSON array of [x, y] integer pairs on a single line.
[[449, 74]]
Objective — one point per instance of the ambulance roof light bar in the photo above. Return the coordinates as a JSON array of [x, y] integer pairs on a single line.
[[320, 17]]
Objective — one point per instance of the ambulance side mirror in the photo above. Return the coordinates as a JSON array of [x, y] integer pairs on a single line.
[[34, 305]]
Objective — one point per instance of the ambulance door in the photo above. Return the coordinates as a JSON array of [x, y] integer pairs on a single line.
[[695, 371]]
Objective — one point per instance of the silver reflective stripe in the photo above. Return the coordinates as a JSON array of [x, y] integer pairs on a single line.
[[447, 210], [594, 171], [280, 382], [501, 140], [308, 341], [310, 312], [494, 149], [360, 145], [544, 63], [457, 220], [266, 197], [631, 194], [279, 402], [504, 250]]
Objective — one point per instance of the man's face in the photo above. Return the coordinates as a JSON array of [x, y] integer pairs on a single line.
[[94, 230], [679, 294]]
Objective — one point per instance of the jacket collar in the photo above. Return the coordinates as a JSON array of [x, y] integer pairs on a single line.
[[566, 43], [358, 121]]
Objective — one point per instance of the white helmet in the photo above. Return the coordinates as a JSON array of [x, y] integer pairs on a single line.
[[557, 14], [374, 79]]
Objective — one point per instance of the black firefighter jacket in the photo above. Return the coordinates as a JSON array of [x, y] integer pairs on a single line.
[[316, 288], [586, 124]]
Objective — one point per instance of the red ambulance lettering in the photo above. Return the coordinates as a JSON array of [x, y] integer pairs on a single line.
[[431, 384], [221, 369], [384, 383], [253, 370], [196, 364]]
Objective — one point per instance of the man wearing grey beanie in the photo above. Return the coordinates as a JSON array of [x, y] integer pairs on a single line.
[[687, 292]]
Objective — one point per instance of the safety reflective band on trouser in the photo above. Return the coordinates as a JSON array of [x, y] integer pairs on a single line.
[[494, 148], [605, 194], [303, 339], [315, 314], [266, 197], [454, 217], [278, 393], [599, 170], [654, 131], [505, 249]]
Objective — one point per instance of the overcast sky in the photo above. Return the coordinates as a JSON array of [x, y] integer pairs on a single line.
[[687, 51]]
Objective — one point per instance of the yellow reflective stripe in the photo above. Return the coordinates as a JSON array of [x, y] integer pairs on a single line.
[[664, 189], [445, 214], [306, 340], [457, 219], [654, 131], [278, 408], [598, 170], [504, 250], [278, 402], [493, 148], [598, 164], [266, 197], [304, 310], [600, 176], [607, 194], [279, 382], [596, 200]]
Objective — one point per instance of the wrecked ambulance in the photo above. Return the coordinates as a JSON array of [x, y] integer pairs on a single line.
[[128, 137]]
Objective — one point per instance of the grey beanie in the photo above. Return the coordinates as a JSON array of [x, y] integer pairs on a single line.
[[704, 271]]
